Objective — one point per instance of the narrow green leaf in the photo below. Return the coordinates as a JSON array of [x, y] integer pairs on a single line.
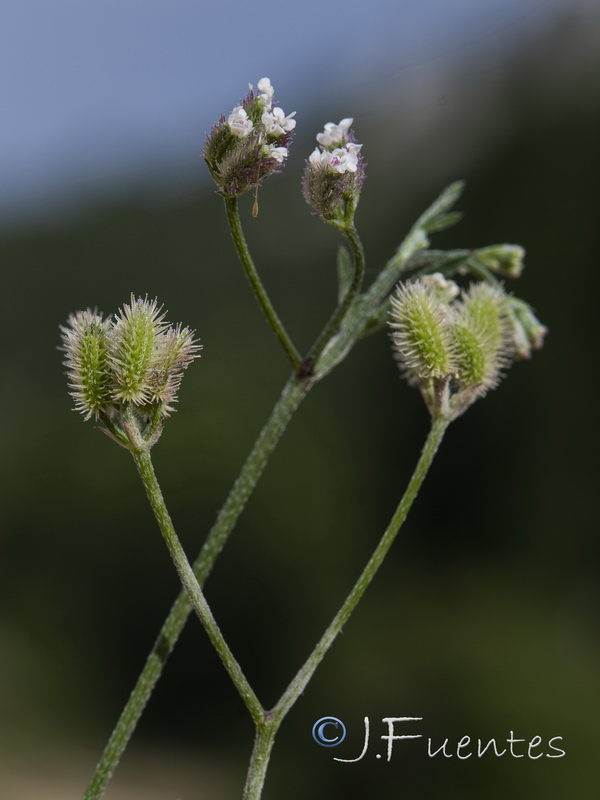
[[440, 206], [443, 221]]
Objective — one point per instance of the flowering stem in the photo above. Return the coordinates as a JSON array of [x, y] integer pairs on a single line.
[[235, 226], [338, 315], [292, 395], [145, 468], [266, 734], [298, 684]]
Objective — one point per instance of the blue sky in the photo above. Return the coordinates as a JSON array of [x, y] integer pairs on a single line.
[[93, 91]]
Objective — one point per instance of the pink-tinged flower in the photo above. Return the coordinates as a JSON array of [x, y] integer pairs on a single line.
[[239, 123], [334, 174], [251, 143], [341, 160], [276, 123]]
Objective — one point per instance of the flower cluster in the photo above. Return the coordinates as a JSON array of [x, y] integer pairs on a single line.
[[452, 345], [249, 144], [134, 360], [334, 173]]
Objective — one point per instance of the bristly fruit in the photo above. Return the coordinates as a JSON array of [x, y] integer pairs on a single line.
[[128, 365], [455, 348]]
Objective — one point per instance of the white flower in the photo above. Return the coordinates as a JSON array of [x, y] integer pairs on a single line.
[[343, 161], [276, 123], [238, 122], [278, 153], [319, 158], [266, 92], [334, 134], [353, 148], [340, 160]]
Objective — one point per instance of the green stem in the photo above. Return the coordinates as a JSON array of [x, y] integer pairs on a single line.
[[481, 271], [235, 226], [338, 315], [293, 394], [265, 735], [298, 684], [259, 761], [189, 582]]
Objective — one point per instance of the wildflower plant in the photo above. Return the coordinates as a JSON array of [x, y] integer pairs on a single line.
[[455, 330]]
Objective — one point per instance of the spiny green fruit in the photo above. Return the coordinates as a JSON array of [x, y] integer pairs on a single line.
[[134, 349], [453, 349], [481, 336], [132, 361], [85, 343], [421, 332]]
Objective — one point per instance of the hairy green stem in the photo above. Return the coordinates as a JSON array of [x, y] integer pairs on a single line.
[[261, 753], [293, 394], [257, 768], [190, 583], [235, 226], [340, 312], [297, 686]]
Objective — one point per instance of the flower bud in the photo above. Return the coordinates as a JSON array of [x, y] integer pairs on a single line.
[[526, 330], [334, 174], [503, 259], [250, 143], [444, 289]]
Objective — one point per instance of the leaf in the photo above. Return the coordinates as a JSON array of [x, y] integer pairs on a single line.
[[440, 206], [443, 221]]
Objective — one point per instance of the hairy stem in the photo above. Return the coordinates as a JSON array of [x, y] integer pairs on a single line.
[[293, 394], [259, 761], [190, 583], [298, 684], [235, 226], [340, 312], [264, 739]]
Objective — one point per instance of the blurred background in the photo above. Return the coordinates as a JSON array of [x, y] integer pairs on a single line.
[[484, 619]]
